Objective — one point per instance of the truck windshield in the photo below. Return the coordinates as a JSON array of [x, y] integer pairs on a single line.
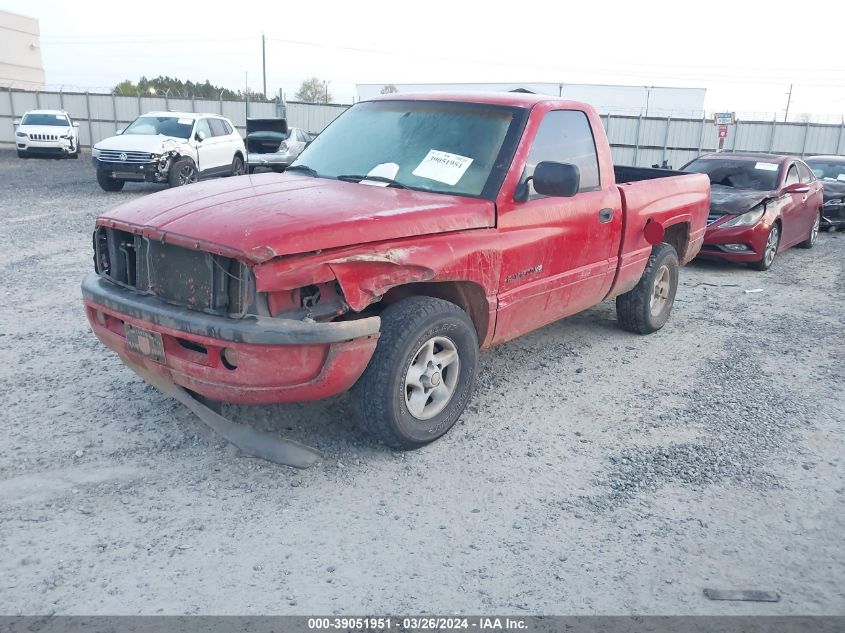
[[166, 125], [740, 174], [34, 118], [446, 147]]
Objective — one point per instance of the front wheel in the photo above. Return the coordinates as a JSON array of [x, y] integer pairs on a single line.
[[182, 172], [810, 242], [421, 375], [107, 183], [646, 308], [238, 166], [770, 250]]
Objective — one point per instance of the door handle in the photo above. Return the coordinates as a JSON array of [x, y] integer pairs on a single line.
[[605, 215]]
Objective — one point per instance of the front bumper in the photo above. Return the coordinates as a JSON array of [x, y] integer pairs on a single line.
[[753, 238], [278, 159], [279, 360], [141, 172], [59, 147], [833, 215]]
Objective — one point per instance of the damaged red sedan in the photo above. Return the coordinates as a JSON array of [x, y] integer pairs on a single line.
[[760, 205], [414, 231]]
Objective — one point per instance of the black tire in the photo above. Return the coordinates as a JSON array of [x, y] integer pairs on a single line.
[[826, 228], [22, 154], [250, 169], [769, 255], [238, 167], [646, 308], [380, 396], [278, 170], [75, 155], [182, 172], [107, 183], [810, 242]]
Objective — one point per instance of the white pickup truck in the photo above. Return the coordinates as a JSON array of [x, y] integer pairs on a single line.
[[47, 133], [173, 147]]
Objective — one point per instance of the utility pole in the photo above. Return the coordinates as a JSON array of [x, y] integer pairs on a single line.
[[788, 100], [647, 97], [264, 62]]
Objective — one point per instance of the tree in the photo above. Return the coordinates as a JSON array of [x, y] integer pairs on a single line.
[[314, 90], [178, 88], [389, 89]]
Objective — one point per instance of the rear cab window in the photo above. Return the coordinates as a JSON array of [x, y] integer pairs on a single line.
[[565, 136]]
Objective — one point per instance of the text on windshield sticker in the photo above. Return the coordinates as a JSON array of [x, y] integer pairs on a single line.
[[443, 167], [766, 166]]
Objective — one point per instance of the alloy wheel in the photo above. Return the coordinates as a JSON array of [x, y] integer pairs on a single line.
[[660, 293], [771, 245], [432, 377]]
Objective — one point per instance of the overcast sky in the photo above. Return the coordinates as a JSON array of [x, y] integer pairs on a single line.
[[745, 55]]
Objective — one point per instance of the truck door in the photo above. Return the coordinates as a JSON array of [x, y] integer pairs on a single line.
[[565, 259]]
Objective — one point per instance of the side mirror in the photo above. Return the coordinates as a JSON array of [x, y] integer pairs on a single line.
[[119, 131], [797, 187], [556, 179], [16, 122], [200, 136]]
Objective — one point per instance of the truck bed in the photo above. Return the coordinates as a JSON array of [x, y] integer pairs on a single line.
[[679, 201]]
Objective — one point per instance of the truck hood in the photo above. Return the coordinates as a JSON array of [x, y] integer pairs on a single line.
[[264, 216], [155, 144], [733, 201]]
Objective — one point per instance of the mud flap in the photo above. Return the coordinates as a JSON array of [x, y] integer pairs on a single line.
[[252, 442]]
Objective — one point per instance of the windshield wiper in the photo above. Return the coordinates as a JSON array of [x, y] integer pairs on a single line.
[[308, 170], [356, 178]]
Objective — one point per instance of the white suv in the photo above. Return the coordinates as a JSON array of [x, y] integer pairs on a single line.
[[173, 147], [47, 133]]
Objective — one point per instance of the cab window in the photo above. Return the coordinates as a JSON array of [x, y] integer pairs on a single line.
[[218, 127], [791, 176], [565, 136], [202, 126], [804, 173]]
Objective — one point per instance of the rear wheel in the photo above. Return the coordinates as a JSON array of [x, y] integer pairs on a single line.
[[646, 308], [421, 375], [107, 183], [251, 169], [814, 233], [770, 250], [182, 172]]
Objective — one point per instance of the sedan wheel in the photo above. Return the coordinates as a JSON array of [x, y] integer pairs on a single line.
[[814, 233], [769, 250]]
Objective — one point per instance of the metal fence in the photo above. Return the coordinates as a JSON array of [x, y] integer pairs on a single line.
[[634, 140]]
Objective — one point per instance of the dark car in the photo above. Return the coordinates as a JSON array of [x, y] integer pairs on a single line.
[[830, 170], [760, 204]]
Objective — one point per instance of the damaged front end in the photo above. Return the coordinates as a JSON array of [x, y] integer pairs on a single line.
[[140, 166]]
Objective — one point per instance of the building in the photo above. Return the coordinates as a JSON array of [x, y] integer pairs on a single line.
[[630, 100], [20, 52]]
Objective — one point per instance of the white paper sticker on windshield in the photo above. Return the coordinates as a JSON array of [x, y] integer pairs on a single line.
[[186, 121], [840, 177], [60, 117], [443, 167], [382, 170], [766, 166]]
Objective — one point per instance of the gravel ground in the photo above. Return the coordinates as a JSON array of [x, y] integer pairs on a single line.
[[594, 472]]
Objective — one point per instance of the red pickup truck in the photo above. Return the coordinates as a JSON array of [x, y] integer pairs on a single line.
[[413, 232]]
